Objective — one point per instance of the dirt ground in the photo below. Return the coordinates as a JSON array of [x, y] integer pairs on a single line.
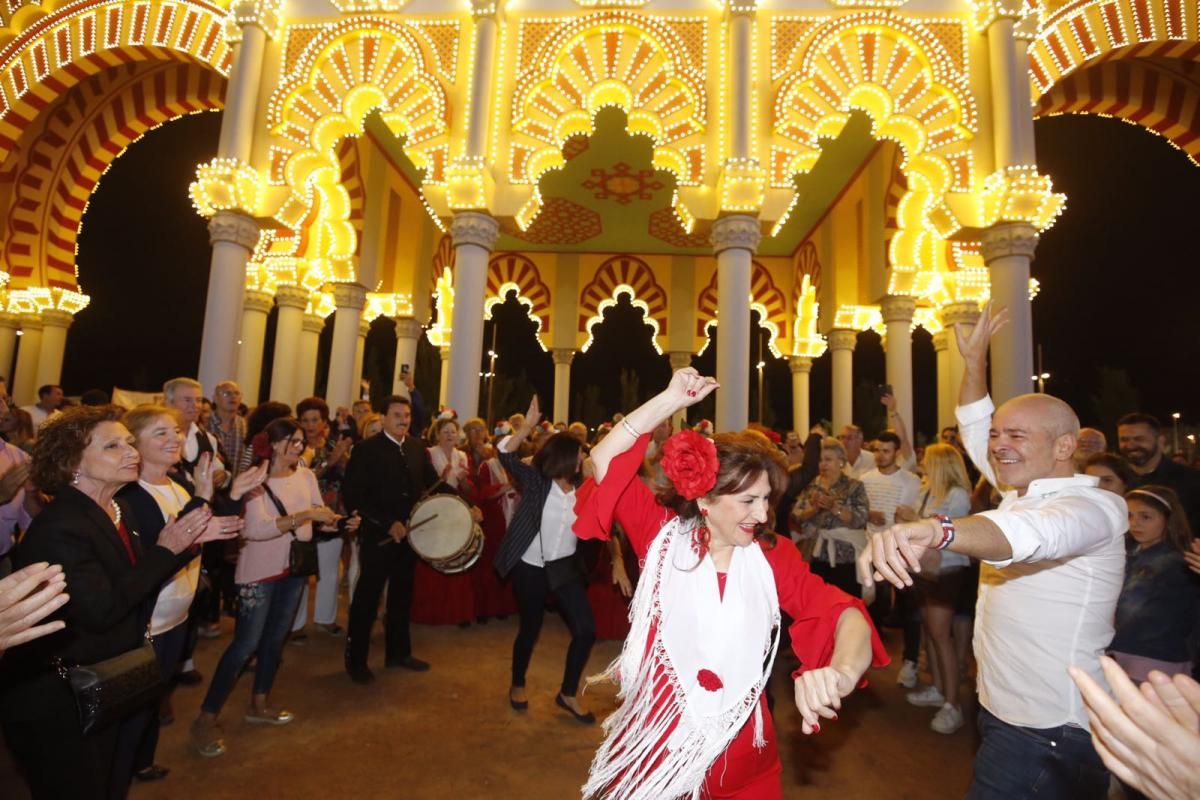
[[449, 732]]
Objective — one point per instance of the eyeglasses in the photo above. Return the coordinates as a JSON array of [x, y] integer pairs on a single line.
[[295, 443]]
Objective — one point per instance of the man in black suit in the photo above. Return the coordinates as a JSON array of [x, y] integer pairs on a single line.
[[385, 477]]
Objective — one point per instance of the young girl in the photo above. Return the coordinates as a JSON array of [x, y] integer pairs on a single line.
[[1160, 601]]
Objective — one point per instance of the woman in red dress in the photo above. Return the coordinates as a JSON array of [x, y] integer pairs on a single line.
[[694, 721]]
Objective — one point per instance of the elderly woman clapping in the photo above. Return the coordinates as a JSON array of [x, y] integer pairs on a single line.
[[832, 512], [83, 457]]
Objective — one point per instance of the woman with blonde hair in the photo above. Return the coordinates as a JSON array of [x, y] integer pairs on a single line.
[[945, 490]]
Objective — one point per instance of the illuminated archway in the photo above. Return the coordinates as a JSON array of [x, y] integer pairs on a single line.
[[346, 72], [765, 297], [900, 74], [74, 142], [613, 58], [509, 272], [616, 276], [51, 52]]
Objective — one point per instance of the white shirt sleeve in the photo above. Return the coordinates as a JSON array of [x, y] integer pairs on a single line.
[[974, 428], [1066, 526]]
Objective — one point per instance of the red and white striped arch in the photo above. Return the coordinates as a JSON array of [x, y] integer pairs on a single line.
[[623, 275]]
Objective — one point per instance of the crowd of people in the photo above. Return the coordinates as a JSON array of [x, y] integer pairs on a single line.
[[1018, 543]]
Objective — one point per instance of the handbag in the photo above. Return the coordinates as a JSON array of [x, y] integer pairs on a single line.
[[107, 691], [302, 556], [561, 571]]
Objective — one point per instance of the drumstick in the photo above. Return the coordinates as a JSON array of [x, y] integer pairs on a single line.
[[416, 525]]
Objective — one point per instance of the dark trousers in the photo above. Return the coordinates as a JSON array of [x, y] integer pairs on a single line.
[[908, 604], [532, 588], [843, 576], [265, 613], [1055, 763], [169, 648], [392, 564], [41, 728]]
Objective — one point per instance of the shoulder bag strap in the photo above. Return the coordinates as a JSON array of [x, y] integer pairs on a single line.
[[283, 512]]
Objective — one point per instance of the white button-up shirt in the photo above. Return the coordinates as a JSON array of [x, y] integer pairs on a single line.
[[1052, 604], [555, 540]]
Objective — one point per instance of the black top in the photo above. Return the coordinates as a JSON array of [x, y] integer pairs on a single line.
[[384, 480], [1184, 480], [527, 520], [105, 613]]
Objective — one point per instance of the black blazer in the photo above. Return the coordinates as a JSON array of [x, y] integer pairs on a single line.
[[527, 520], [104, 614], [384, 480]]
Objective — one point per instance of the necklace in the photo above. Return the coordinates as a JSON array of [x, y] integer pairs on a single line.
[[116, 513]]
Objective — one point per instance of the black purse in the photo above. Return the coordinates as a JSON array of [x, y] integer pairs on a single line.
[[302, 556], [109, 690], [562, 571]]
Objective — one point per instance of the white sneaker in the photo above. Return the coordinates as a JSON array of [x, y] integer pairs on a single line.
[[947, 720], [927, 697], [908, 675]]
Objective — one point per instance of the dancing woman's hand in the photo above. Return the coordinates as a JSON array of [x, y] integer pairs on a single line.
[[819, 693], [689, 387]]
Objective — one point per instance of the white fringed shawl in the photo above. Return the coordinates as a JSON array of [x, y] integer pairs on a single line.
[[670, 729]]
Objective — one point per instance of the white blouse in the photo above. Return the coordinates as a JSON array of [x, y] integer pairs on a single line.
[[555, 540]]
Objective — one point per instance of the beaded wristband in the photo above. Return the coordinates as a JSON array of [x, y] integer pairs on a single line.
[[947, 526]]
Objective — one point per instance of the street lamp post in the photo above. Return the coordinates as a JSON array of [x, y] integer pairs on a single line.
[[1175, 435], [760, 366]]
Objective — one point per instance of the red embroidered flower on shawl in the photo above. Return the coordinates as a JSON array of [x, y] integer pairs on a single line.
[[690, 461], [709, 681]]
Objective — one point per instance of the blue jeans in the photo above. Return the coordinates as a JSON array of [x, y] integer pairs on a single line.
[[265, 614], [1015, 763]]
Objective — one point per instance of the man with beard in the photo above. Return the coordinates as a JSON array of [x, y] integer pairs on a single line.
[[1141, 441]]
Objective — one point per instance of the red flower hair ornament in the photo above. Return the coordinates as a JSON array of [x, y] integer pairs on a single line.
[[260, 445], [690, 461]]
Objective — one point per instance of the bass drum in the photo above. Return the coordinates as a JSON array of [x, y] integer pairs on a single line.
[[444, 535]]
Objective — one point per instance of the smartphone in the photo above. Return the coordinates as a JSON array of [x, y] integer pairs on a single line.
[[403, 370], [884, 390]]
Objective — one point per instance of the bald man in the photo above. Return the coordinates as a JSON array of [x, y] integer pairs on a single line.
[[1053, 563], [1089, 442]]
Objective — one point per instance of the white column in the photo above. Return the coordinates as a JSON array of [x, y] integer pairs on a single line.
[[24, 384], [241, 94], [1012, 124], [256, 306], [1008, 250], [291, 301], [360, 353], [679, 359], [841, 355], [444, 386], [233, 238], [898, 313], [801, 367], [483, 81], [966, 313], [947, 393], [562, 383], [474, 237], [9, 323], [734, 240], [55, 324], [349, 298], [740, 89], [408, 332], [306, 363]]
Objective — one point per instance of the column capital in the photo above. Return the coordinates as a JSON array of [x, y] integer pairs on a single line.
[[230, 226], [562, 355], [799, 364], [312, 323], [364, 327], [408, 328], [444, 352], [898, 308], [1008, 239], [258, 300], [56, 318], [31, 322], [737, 231], [291, 296], [471, 227], [8, 320], [679, 359], [486, 9], [941, 341], [349, 296], [742, 8], [842, 339], [966, 313], [262, 14]]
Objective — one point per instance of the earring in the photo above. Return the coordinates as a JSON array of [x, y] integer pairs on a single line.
[[75, 478], [700, 534]]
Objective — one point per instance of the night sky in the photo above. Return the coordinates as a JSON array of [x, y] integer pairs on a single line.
[[1116, 316]]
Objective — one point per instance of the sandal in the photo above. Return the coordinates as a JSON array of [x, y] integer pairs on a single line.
[[207, 740]]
